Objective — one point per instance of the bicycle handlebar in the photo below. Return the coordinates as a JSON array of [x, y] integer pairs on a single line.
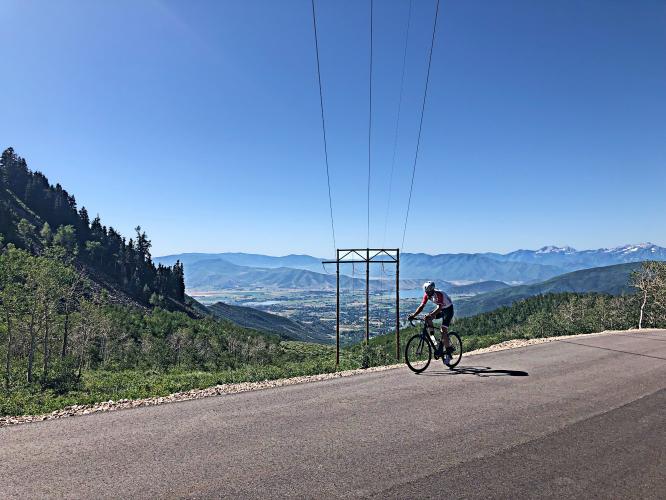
[[417, 318]]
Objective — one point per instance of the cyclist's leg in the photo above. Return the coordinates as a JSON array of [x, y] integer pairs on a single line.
[[444, 340], [445, 336], [429, 324], [447, 316]]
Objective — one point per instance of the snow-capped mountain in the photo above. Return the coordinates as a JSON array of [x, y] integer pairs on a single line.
[[558, 250], [570, 259], [631, 249]]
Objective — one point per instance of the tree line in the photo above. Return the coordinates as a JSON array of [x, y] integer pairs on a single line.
[[572, 313], [27, 197], [54, 326]]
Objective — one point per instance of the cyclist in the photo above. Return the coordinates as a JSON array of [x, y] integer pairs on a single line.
[[444, 311]]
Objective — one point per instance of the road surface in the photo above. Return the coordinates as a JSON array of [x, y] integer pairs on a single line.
[[584, 418]]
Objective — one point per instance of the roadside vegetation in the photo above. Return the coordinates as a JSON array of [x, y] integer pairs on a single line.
[[62, 343]]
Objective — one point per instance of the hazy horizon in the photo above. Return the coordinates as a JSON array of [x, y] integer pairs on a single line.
[[412, 252]]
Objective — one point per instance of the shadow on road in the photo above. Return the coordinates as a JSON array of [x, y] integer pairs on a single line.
[[479, 371]]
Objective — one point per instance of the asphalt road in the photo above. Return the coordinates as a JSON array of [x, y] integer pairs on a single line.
[[580, 418]]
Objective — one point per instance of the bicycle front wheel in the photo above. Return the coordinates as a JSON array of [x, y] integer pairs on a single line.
[[418, 353], [456, 342]]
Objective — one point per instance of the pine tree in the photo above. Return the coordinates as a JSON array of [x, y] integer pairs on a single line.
[[83, 226], [83, 215], [180, 280], [143, 244], [97, 231]]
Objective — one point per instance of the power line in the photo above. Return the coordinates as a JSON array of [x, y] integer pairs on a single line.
[[397, 122], [418, 141], [370, 119], [323, 125]]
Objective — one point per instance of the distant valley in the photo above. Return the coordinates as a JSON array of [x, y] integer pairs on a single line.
[[206, 271], [297, 296]]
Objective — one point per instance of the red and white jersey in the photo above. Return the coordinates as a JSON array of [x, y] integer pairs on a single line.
[[438, 298]]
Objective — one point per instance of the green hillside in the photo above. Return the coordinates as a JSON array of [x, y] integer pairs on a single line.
[[270, 323], [78, 299], [613, 280], [36, 215]]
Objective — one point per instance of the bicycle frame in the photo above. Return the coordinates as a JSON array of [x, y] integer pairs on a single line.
[[425, 335]]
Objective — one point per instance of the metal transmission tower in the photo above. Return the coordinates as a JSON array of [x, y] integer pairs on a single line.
[[367, 256]]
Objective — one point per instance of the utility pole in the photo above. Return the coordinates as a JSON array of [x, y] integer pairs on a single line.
[[337, 311], [367, 296], [397, 304], [366, 256]]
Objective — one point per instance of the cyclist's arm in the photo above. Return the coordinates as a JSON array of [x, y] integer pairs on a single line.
[[420, 308], [435, 311]]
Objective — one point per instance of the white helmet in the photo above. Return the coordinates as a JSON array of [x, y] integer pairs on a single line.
[[429, 287]]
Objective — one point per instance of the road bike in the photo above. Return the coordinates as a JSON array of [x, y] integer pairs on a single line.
[[420, 348]]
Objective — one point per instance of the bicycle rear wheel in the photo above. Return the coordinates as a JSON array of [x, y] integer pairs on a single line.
[[456, 342], [418, 353]]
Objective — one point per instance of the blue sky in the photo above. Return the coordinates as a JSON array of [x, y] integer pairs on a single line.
[[545, 123]]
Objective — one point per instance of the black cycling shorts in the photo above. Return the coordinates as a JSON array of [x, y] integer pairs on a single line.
[[446, 315]]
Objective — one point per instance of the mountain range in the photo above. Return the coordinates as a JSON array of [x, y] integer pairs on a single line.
[[570, 258], [225, 270], [306, 262], [219, 274]]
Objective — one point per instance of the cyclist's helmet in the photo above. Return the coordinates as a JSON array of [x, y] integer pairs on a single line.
[[429, 287]]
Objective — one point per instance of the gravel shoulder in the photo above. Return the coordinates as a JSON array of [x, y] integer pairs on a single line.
[[225, 389]]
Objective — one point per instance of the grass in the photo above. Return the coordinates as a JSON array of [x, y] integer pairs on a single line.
[[300, 358], [99, 385]]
